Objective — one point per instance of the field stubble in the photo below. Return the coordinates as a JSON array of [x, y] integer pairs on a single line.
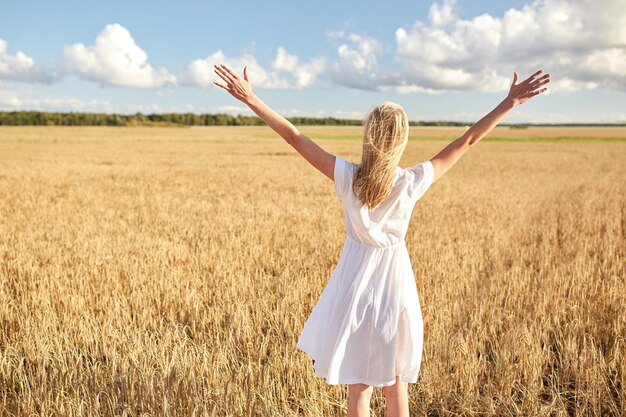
[[148, 271]]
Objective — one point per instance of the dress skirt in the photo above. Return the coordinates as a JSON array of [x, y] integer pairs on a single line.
[[367, 325]]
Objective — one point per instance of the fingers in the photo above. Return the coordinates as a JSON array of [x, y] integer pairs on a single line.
[[534, 93], [224, 75], [228, 87], [234, 84], [532, 79], [232, 74], [539, 82], [220, 85], [528, 80]]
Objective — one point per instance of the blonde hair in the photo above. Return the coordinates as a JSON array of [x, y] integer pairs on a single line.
[[386, 132]]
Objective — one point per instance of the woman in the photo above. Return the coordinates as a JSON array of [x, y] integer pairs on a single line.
[[366, 329]]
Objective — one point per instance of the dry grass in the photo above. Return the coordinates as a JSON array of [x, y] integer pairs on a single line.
[[148, 271]]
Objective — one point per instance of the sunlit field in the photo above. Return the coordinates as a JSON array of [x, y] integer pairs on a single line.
[[169, 271]]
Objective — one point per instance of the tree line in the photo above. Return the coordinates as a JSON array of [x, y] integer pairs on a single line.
[[37, 118]]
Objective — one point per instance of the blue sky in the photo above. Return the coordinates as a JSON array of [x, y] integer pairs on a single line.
[[442, 60]]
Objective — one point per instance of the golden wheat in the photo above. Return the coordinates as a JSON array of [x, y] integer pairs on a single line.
[[156, 271]]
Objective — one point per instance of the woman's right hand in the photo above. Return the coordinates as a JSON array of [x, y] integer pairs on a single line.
[[530, 87], [237, 87]]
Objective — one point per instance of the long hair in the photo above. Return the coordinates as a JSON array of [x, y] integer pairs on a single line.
[[386, 132]]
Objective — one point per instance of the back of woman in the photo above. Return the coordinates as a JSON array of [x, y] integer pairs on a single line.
[[366, 329], [367, 325], [387, 224]]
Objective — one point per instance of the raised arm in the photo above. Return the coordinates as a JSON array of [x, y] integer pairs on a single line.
[[242, 90], [518, 94]]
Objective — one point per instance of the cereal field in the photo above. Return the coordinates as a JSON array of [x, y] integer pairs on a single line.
[[169, 271]]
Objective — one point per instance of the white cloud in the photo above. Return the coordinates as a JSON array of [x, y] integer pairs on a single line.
[[115, 59], [21, 67], [341, 33], [408, 89], [441, 15], [286, 71], [151, 108], [358, 63], [362, 56], [200, 72], [305, 74], [234, 110], [145, 108], [358, 67], [582, 44], [10, 102], [291, 112]]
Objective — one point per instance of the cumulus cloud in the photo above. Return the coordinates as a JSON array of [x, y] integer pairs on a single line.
[[290, 112], [357, 65], [304, 73], [233, 109], [581, 43], [114, 59], [21, 67], [286, 70], [200, 72], [10, 101], [442, 14]]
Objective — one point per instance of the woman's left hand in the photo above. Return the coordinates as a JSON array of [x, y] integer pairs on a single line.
[[527, 89], [240, 89]]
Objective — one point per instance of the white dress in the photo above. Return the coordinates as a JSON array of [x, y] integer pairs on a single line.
[[367, 325]]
